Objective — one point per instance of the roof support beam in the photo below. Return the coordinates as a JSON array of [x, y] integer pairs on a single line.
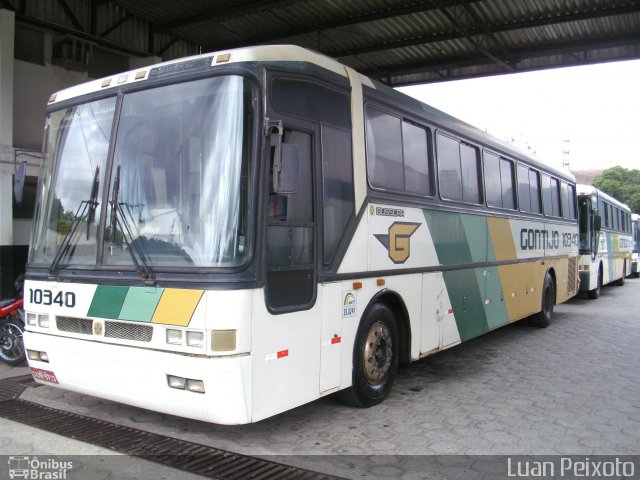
[[475, 44], [170, 44], [69, 13], [116, 25], [225, 13], [416, 7], [515, 56], [426, 38]]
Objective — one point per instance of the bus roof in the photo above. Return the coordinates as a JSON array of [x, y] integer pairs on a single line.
[[293, 53], [589, 190]]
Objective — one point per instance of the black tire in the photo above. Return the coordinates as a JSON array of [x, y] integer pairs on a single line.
[[11, 344], [621, 280], [375, 359], [542, 319], [595, 293]]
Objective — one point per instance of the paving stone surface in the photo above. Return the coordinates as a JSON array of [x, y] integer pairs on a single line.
[[572, 388]]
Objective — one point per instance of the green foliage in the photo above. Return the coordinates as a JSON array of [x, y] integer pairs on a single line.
[[621, 183]]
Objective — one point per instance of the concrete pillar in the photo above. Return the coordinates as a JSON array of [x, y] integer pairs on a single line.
[[7, 34]]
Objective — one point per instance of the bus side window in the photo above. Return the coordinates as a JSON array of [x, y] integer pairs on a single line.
[[524, 195], [534, 185]]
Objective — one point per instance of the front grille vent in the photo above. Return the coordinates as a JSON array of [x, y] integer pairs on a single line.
[[83, 326], [128, 331], [125, 331]]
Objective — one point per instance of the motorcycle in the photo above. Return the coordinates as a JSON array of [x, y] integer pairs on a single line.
[[12, 321]]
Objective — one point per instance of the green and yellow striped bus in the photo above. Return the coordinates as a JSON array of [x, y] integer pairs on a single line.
[[232, 235], [606, 240]]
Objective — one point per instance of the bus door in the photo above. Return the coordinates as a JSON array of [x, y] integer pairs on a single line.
[[291, 282], [314, 120]]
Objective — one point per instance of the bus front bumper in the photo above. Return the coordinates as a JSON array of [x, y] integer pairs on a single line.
[[139, 377]]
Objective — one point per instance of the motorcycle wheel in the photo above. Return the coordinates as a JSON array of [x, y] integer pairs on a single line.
[[12, 350]]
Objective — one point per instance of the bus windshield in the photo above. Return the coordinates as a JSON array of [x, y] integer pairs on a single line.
[[177, 192]]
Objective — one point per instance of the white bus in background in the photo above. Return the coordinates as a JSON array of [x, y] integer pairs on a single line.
[[635, 224], [606, 240]]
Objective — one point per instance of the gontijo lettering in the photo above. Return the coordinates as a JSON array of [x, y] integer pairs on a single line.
[[535, 239]]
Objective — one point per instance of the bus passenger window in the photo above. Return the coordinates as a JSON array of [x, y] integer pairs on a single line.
[[384, 151], [493, 191], [507, 182], [534, 185], [469, 164], [415, 152], [524, 197]]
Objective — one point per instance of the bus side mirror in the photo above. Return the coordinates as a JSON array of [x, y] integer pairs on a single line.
[[286, 169], [597, 223], [286, 160]]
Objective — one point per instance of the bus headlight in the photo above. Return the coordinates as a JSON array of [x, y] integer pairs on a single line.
[[32, 319], [195, 386], [195, 339], [174, 337], [177, 382], [38, 356], [43, 320]]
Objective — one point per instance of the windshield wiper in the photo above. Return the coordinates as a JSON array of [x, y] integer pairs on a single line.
[[118, 219], [86, 212]]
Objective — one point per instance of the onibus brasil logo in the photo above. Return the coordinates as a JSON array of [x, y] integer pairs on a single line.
[[38, 468], [397, 241]]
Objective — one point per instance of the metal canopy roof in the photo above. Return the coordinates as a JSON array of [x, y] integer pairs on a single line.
[[413, 41], [399, 42]]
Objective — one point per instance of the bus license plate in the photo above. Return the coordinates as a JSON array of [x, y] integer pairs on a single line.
[[44, 375]]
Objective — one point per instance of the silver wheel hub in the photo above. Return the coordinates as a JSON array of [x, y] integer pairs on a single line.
[[378, 353]]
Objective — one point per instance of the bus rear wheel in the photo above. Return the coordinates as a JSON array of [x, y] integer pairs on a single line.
[[375, 359], [542, 319]]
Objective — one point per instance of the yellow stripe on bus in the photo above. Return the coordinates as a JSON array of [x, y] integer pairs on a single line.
[[504, 249], [176, 306]]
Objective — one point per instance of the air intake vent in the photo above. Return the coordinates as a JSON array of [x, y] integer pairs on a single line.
[[83, 326], [128, 331]]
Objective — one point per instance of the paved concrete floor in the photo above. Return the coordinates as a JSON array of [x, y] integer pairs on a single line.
[[573, 388]]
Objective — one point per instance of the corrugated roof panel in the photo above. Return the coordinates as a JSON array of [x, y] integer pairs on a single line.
[[397, 39]]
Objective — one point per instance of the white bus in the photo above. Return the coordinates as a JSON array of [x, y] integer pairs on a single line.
[[635, 225], [605, 240], [232, 235]]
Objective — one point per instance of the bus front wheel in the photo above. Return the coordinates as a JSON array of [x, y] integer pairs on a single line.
[[595, 293], [620, 282], [542, 319], [375, 359]]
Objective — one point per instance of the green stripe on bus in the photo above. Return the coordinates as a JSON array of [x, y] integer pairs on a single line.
[[449, 237], [140, 304], [475, 230], [465, 287], [107, 301], [467, 303]]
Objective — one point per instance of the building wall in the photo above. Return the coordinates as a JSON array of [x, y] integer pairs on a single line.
[[36, 62]]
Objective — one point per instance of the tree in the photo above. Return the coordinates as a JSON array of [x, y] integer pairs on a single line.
[[622, 184]]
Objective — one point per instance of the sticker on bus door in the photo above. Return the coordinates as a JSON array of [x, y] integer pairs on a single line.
[[349, 304]]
